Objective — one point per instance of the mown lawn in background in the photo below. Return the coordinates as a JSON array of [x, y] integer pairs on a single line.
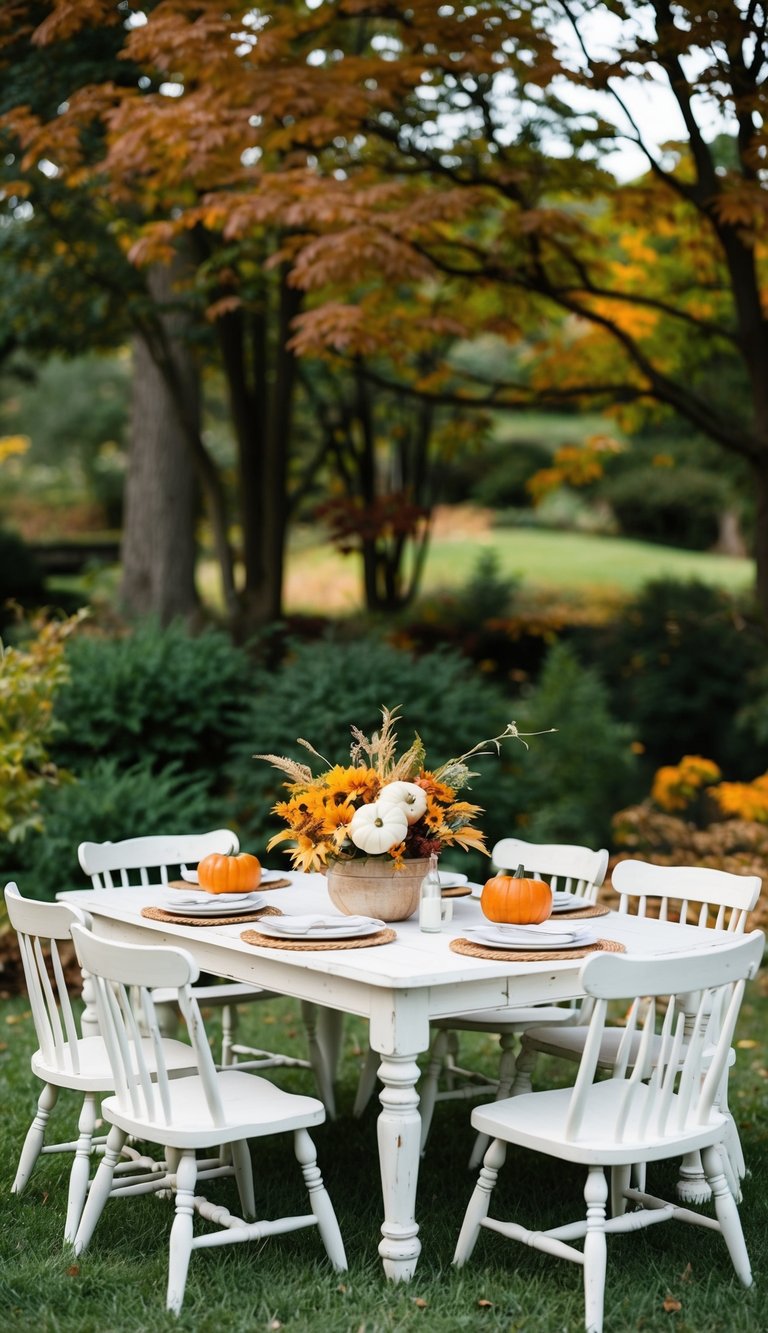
[[670, 1277], [319, 578], [321, 581]]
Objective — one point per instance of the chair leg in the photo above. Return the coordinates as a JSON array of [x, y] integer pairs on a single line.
[[620, 1178], [428, 1085], [228, 1029], [691, 1185], [243, 1167], [100, 1188], [507, 1067], [727, 1214], [731, 1140], [35, 1137], [478, 1206], [81, 1166], [451, 1060], [526, 1063], [323, 1078], [330, 1035], [180, 1248], [733, 1157], [367, 1082], [595, 1249], [319, 1200]]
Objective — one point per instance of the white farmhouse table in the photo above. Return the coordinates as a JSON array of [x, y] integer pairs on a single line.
[[399, 987]]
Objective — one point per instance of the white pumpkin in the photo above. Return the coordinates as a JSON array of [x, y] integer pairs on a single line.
[[412, 798], [375, 828]]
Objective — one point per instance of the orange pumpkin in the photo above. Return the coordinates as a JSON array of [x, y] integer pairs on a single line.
[[229, 874], [515, 899]]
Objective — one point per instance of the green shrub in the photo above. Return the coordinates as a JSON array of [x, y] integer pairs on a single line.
[[157, 695], [21, 578], [677, 661], [568, 788], [501, 482], [487, 594], [108, 803], [31, 673], [678, 506]]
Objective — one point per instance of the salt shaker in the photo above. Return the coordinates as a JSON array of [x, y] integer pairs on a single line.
[[430, 905]]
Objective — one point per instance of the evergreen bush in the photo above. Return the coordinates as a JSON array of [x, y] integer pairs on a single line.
[[501, 483], [677, 661], [21, 579], [678, 506], [109, 802], [160, 695], [568, 789]]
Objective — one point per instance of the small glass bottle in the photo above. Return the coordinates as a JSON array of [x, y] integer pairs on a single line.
[[430, 905]]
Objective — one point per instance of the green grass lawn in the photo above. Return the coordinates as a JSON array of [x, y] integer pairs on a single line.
[[285, 1283], [319, 577]]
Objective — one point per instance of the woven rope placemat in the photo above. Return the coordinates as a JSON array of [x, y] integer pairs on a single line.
[[539, 956], [460, 891], [574, 912], [174, 919], [360, 942]]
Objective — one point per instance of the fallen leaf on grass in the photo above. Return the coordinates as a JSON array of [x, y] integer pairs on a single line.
[[420, 1303], [670, 1305], [746, 1044], [73, 1271], [485, 1305]]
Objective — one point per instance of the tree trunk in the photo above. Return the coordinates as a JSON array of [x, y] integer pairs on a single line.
[[158, 547], [261, 372], [760, 474]]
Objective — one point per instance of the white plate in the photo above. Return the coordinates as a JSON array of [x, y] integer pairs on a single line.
[[280, 928], [566, 902], [500, 939], [450, 880], [267, 876], [249, 902]]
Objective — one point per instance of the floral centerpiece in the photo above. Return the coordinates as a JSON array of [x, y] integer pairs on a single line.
[[386, 810]]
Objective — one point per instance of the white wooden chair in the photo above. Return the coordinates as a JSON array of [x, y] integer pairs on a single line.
[[647, 1111], [199, 1112], [695, 895], [570, 868], [63, 1058], [156, 860]]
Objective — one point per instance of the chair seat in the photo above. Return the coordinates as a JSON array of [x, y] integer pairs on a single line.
[[537, 1120], [95, 1072], [569, 1043], [253, 1107], [508, 1020]]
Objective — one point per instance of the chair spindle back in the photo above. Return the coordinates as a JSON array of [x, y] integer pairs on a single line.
[[151, 859], [571, 869], [124, 977], [665, 1091], [41, 927]]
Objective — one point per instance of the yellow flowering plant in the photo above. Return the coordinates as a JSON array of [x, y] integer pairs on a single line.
[[379, 804]]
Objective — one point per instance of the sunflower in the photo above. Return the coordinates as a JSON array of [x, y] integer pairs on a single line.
[[319, 810]]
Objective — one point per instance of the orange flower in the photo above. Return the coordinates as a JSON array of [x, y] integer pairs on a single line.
[[319, 809]]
